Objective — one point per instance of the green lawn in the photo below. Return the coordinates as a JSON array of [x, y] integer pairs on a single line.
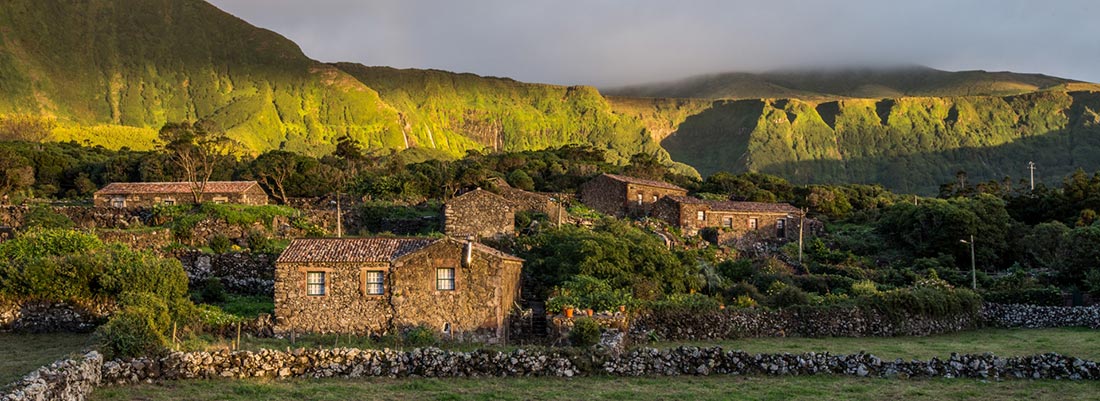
[[1079, 342], [607, 388], [23, 353]]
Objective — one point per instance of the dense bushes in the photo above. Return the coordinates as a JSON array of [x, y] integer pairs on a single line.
[[61, 265], [585, 333], [1045, 296]]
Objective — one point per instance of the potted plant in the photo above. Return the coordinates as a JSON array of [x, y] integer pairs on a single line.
[[622, 308], [589, 312], [568, 309]]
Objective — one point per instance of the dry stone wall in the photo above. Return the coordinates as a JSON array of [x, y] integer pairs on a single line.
[[35, 316], [242, 273], [65, 380], [1032, 316]]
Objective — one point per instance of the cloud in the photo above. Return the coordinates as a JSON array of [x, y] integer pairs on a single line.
[[609, 43]]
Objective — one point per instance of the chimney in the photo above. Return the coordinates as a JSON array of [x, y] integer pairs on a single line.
[[468, 251]]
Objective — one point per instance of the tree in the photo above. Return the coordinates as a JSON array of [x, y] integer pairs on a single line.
[[195, 149], [16, 172], [25, 127], [275, 168]]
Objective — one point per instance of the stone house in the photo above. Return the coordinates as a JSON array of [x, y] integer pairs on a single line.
[[733, 220], [550, 204], [147, 194], [620, 196], [461, 289], [480, 214]]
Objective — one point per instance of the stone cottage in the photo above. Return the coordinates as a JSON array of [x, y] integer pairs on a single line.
[[461, 289], [147, 194], [480, 214], [733, 220], [620, 196], [550, 204]]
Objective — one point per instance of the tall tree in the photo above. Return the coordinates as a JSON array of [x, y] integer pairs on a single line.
[[274, 169], [195, 149]]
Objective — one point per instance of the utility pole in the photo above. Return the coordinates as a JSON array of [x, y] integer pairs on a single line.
[[973, 264], [339, 217], [1031, 167], [801, 220]]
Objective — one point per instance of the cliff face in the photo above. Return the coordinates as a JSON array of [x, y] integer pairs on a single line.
[[912, 143]]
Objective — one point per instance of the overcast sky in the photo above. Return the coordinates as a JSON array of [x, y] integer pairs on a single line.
[[611, 43]]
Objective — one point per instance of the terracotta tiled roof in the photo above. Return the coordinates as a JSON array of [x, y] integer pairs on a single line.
[[731, 206], [122, 188], [641, 181], [365, 249], [351, 249]]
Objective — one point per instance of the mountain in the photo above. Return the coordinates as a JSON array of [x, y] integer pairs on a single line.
[[869, 83], [911, 144], [502, 114], [111, 72]]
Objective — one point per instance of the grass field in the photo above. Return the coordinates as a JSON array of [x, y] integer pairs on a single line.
[[1079, 342], [22, 353], [607, 388]]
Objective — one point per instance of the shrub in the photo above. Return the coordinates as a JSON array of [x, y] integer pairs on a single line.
[[864, 288], [131, 332], [557, 304], [258, 242], [591, 292], [212, 291], [419, 336], [781, 296], [928, 301], [736, 270], [744, 301], [688, 303], [43, 217], [743, 289], [586, 332], [1047, 296], [1092, 282], [220, 243]]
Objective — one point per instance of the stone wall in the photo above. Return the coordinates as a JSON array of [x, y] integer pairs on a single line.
[[242, 273], [790, 322], [65, 380], [83, 216], [35, 316], [686, 361], [479, 213], [254, 195], [137, 239], [1031, 316]]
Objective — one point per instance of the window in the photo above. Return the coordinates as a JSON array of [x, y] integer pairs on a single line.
[[169, 202], [374, 284], [315, 283], [727, 222], [445, 279], [639, 198], [701, 215], [118, 201], [220, 200], [781, 228], [753, 223], [654, 198]]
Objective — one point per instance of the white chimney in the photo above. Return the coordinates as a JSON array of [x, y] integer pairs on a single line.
[[468, 251]]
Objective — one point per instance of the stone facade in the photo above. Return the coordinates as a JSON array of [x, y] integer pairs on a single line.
[[621, 196], [733, 220], [486, 284], [550, 204], [479, 214], [147, 194]]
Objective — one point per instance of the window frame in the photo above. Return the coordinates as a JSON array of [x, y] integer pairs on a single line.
[[322, 283], [367, 283], [701, 215], [441, 280], [726, 222], [754, 223], [781, 228]]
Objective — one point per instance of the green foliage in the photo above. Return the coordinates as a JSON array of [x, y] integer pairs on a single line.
[[419, 336], [622, 255], [781, 295], [521, 180], [688, 303], [927, 301], [585, 333], [212, 291], [865, 288], [260, 242], [62, 265], [43, 217], [587, 292], [131, 332], [220, 243], [1047, 296]]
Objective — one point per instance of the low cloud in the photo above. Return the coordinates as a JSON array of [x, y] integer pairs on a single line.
[[611, 43]]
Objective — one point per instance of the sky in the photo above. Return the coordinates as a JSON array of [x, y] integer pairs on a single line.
[[611, 43]]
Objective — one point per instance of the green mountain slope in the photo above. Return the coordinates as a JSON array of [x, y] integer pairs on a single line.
[[98, 65], [868, 83], [910, 144], [501, 114]]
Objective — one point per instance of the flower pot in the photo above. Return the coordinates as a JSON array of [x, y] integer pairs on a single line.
[[588, 312], [568, 313], [622, 308], [721, 307]]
